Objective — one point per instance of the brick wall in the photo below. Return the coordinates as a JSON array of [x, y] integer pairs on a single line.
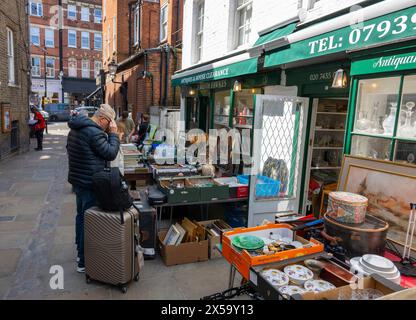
[[12, 16]]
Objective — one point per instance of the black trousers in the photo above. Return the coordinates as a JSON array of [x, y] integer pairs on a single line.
[[39, 137]]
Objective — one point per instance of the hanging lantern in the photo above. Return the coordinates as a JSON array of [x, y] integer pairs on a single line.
[[237, 86], [340, 79]]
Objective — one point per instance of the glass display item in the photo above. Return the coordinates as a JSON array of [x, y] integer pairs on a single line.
[[407, 131], [375, 123], [363, 124], [388, 123]]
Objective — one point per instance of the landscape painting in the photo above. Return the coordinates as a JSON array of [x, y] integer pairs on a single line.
[[389, 194]]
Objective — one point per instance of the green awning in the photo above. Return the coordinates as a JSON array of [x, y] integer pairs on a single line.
[[391, 27], [236, 69], [275, 34]]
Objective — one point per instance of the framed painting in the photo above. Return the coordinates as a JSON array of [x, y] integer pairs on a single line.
[[6, 118], [389, 186]]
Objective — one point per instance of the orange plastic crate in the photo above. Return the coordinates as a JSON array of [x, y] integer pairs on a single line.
[[242, 261]]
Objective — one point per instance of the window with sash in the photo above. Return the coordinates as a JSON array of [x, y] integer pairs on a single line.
[[35, 66], [244, 12]]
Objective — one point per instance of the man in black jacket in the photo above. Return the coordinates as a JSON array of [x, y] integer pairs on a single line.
[[91, 143]]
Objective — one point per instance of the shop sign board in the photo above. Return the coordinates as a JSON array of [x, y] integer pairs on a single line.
[[384, 29], [397, 62], [229, 71]]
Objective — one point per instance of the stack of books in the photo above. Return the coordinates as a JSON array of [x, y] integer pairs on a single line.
[[130, 158]]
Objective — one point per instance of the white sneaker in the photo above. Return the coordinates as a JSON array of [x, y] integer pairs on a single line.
[[81, 269]]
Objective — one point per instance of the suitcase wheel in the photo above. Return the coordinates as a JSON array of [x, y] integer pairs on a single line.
[[136, 277], [124, 289]]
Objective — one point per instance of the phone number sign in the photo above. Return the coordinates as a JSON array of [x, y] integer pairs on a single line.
[[394, 26]]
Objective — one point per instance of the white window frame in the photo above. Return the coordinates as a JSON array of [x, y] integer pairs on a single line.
[[52, 45], [98, 65], [72, 8], [83, 18], [39, 9], [10, 57], [114, 34], [98, 35], [50, 72], [136, 24], [32, 34], [96, 18], [72, 32], [35, 67], [85, 73], [83, 33], [199, 30], [312, 4], [72, 72], [164, 23], [242, 9]]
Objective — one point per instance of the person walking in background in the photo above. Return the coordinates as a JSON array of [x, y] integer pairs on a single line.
[[127, 126], [91, 143], [144, 126], [38, 127]]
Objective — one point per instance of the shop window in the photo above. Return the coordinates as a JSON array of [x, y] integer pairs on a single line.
[[36, 9], [243, 19], [244, 108], [383, 128], [10, 56], [49, 38], [85, 40], [72, 38], [222, 109], [72, 12], [72, 67], [35, 66], [35, 36], [50, 67], [163, 23]]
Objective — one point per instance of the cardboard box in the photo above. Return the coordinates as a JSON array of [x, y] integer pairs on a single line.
[[213, 239], [375, 281], [186, 252]]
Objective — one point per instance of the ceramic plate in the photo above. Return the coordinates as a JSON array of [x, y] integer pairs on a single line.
[[298, 273], [289, 290], [275, 277], [248, 242], [377, 262], [318, 285]]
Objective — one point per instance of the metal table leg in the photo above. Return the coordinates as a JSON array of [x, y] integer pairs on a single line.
[[231, 276]]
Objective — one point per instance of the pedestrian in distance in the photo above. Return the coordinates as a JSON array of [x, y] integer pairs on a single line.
[[92, 142], [127, 125], [39, 127]]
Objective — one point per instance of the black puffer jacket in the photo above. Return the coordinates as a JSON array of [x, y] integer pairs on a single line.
[[89, 147]]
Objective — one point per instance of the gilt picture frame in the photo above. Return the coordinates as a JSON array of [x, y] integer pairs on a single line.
[[389, 186]]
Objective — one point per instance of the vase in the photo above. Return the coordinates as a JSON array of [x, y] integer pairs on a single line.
[[362, 123], [388, 123], [407, 131]]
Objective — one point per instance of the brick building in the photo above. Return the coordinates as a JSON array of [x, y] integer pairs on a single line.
[[14, 68], [144, 39], [71, 68]]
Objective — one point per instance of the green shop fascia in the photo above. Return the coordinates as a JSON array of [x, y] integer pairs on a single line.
[[223, 97]]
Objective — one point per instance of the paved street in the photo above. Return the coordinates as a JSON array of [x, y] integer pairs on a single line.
[[37, 211]]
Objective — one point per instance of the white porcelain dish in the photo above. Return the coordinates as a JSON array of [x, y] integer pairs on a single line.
[[275, 277], [378, 263], [318, 285], [298, 274], [290, 290]]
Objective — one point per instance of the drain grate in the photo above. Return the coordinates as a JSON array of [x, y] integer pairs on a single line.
[[7, 218]]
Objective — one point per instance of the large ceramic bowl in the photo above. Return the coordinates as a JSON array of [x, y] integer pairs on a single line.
[[298, 274]]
